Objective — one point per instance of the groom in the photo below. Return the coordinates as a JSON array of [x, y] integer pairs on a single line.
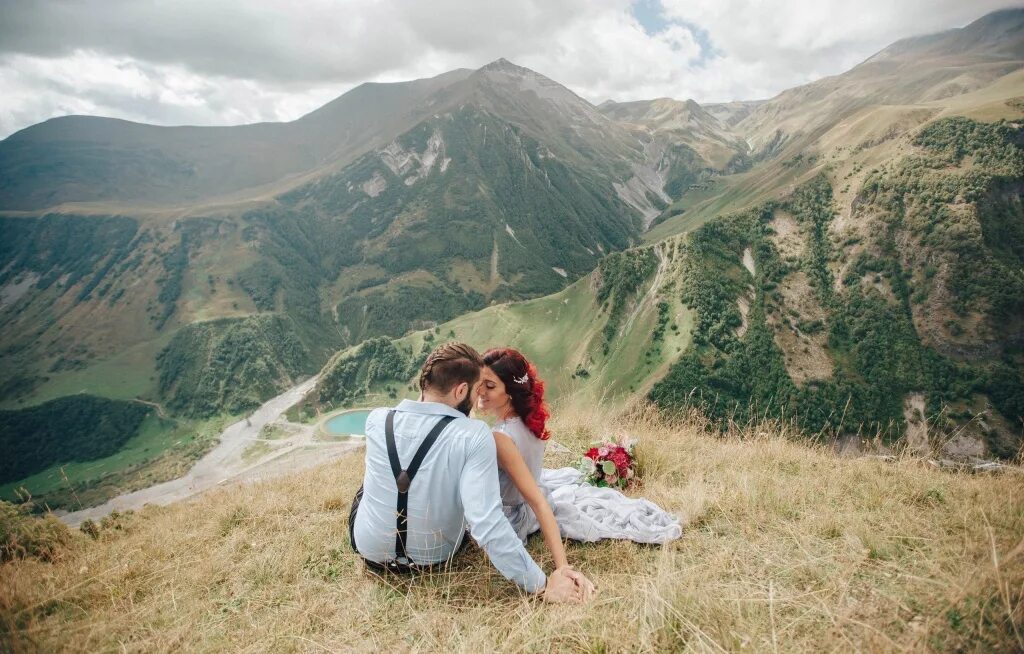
[[430, 470]]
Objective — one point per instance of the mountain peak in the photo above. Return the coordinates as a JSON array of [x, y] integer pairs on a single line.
[[505, 67]]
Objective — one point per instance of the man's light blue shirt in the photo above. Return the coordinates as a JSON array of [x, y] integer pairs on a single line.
[[457, 484]]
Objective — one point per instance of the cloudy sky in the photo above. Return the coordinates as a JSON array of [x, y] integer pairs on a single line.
[[222, 62]]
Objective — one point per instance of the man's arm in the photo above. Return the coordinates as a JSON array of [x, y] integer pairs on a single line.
[[481, 501]]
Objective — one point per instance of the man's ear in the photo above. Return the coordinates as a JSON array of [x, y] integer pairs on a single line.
[[461, 391]]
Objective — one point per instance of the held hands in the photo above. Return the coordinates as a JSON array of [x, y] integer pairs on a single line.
[[567, 586]]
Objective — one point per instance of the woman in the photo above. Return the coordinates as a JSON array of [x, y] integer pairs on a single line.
[[510, 391], [557, 502]]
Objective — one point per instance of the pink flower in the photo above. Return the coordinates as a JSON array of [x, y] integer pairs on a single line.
[[611, 479], [602, 451]]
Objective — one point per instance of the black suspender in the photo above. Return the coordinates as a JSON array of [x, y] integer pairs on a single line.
[[403, 478]]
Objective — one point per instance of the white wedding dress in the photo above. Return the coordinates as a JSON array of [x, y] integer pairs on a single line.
[[583, 512]]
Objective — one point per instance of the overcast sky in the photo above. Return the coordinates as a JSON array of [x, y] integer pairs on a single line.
[[222, 62]]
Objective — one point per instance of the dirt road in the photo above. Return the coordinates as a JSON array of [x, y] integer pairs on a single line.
[[227, 462]]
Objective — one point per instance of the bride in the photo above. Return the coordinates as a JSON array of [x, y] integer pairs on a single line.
[[554, 501]]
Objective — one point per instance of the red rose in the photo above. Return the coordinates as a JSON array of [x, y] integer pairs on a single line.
[[621, 459], [591, 453]]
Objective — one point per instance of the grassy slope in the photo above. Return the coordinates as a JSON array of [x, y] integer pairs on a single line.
[[786, 547], [728, 194], [562, 331], [129, 374]]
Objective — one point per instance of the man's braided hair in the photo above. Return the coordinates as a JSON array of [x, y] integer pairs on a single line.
[[449, 365]]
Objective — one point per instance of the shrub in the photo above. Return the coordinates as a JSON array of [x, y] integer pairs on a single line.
[[23, 535]]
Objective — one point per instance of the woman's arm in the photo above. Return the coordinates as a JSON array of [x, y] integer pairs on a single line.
[[511, 461]]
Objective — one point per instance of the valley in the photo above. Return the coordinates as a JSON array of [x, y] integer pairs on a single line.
[[242, 454]]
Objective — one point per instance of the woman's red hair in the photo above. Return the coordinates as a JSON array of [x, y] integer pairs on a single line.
[[524, 387]]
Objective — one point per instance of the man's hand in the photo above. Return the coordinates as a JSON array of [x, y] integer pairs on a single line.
[[585, 585], [566, 586]]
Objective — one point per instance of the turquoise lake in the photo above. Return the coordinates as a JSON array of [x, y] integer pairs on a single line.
[[350, 422]]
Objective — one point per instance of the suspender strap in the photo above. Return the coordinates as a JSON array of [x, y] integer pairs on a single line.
[[403, 478]]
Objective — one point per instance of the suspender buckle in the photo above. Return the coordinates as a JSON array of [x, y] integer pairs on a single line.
[[403, 482]]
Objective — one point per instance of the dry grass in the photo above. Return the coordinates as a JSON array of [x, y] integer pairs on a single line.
[[787, 548]]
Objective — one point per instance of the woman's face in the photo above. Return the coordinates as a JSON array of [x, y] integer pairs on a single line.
[[491, 397]]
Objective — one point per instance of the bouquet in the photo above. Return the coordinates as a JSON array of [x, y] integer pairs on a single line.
[[609, 465]]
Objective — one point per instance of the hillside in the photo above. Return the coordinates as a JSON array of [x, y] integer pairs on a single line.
[[608, 336], [910, 72], [785, 547], [849, 123]]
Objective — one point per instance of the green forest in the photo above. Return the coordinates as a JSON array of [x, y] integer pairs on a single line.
[[230, 365], [378, 360], [72, 428]]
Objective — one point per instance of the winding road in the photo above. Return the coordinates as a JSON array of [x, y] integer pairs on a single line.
[[227, 462]]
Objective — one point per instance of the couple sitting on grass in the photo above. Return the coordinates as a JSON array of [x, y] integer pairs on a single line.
[[431, 471]]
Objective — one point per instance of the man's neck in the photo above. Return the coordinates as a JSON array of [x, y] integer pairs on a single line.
[[426, 396]]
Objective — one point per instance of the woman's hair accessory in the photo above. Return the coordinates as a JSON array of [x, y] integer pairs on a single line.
[[522, 380]]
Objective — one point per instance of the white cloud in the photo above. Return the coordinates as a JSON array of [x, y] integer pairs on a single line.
[[801, 40], [235, 61], [36, 88]]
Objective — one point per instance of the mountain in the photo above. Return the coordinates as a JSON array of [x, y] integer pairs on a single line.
[[684, 123], [87, 159], [910, 72], [903, 325], [730, 113], [855, 120], [825, 248]]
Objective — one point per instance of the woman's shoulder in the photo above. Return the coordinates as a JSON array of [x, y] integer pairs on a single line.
[[519, 432], [511, 426]]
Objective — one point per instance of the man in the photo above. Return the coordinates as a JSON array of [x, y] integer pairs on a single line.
[[430, 470]]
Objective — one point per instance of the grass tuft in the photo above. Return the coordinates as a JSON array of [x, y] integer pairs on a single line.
[[23, 535]]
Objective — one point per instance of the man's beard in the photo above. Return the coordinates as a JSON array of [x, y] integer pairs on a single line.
[[465, 405]]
